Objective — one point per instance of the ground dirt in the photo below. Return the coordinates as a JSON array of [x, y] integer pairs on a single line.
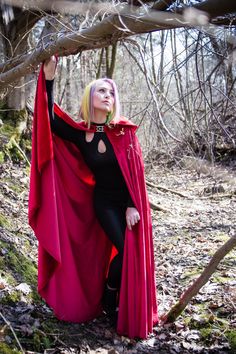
[[186, 234]]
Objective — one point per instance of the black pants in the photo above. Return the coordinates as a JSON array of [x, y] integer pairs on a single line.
[[110, 212]]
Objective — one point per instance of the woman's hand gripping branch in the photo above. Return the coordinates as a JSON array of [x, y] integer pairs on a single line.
[[49, 68]]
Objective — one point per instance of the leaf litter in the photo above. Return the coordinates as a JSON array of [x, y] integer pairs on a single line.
[[185, 238]]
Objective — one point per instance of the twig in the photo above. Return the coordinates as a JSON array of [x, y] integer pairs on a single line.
[[13, 143], [154, 206], [167, 190], [53, 335], [13, 332], [220, 196], [231, 302]]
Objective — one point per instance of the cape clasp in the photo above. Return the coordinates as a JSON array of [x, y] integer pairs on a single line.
[[99, 128], [122, 132]]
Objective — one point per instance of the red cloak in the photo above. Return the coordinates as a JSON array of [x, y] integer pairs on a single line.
[[74, 252]]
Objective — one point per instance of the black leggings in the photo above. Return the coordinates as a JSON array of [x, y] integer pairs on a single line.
[[111, 216]]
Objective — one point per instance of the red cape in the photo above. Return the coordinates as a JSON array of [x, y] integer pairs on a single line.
[[74, 252]]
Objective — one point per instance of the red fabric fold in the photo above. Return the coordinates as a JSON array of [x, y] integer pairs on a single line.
[[74, 252]]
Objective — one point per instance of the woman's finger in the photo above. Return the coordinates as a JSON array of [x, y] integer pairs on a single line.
[[136, 218], [128, 223]]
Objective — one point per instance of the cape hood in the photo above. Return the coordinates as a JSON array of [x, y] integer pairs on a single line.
[[74, 252]]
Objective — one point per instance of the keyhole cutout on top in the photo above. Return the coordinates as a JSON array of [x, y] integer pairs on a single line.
[[89, 137], [101, 147]]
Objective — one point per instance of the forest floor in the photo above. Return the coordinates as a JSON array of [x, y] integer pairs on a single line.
[[186, 234]]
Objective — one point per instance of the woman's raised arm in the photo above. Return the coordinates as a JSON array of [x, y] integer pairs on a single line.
[[58, 125]]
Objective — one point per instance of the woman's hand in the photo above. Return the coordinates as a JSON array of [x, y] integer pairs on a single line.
[[49, 68], [132, 217]]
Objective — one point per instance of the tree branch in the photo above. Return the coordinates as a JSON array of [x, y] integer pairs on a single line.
[[185, 298], [124, 21], [101, 35]]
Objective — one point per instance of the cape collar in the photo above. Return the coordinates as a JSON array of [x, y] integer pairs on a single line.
[[101, 127], [121, 122]]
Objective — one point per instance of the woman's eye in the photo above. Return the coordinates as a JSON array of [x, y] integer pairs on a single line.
[[112, 94], [101, 90]]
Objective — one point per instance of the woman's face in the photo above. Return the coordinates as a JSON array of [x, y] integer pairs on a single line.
[[103, 98]]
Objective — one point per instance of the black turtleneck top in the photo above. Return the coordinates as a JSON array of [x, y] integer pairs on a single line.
[[108, 176]]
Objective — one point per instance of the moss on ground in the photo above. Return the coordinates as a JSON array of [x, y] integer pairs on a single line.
[[231, 336], [190, 275], [1, 157], [38, 341], [11, 298], [221, 279], [5, 349], [15, 262], [211, 326], [7, 129], [41, 341], [206, 333], [4, 221], [16, 267], [26, 145], [22, 266], [14, 145], [222, 236], [12, 152], [14, 185]]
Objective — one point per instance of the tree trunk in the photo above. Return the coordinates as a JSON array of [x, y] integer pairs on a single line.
[[98, 74], [111, 60], [16, 98], [68, 85]]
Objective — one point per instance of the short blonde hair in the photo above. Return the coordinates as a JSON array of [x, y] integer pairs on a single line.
[[87, 109]]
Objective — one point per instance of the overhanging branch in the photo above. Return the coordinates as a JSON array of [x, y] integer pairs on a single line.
[[107, 32], [124, 21]]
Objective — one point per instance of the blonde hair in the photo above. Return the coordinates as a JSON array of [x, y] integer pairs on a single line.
[[87, 109]]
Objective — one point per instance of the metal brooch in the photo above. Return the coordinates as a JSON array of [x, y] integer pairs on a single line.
[[99, 128], [122, 132]]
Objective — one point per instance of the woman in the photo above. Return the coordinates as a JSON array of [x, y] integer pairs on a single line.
[[88, 258]]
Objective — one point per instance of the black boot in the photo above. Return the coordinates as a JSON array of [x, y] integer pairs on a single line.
[[109, 300]]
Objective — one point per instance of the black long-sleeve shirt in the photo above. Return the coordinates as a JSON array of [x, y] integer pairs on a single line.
[[104, 166]]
